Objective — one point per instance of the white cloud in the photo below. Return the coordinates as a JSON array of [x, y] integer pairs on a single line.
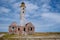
[[45, 1], [16, 5], [8, 1], [11, 1], [4, 10], [7, 19], [45, 8], [53, 16], [31, 7]]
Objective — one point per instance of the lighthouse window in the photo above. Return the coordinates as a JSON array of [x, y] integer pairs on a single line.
[[13, 28], [23, 11]]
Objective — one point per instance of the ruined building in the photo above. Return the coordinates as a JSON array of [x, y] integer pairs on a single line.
[[24, 28]]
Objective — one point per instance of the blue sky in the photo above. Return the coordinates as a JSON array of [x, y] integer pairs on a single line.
[[44, 14]]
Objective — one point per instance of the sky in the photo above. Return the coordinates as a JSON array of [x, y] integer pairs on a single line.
[[43, 14]]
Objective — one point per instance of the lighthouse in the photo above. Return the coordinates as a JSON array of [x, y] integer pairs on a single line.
[[22, 14]]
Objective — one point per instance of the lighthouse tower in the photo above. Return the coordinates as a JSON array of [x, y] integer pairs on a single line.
[[22, 14]]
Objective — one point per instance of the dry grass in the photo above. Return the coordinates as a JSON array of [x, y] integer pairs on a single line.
[[11, 37], [35, 34]]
